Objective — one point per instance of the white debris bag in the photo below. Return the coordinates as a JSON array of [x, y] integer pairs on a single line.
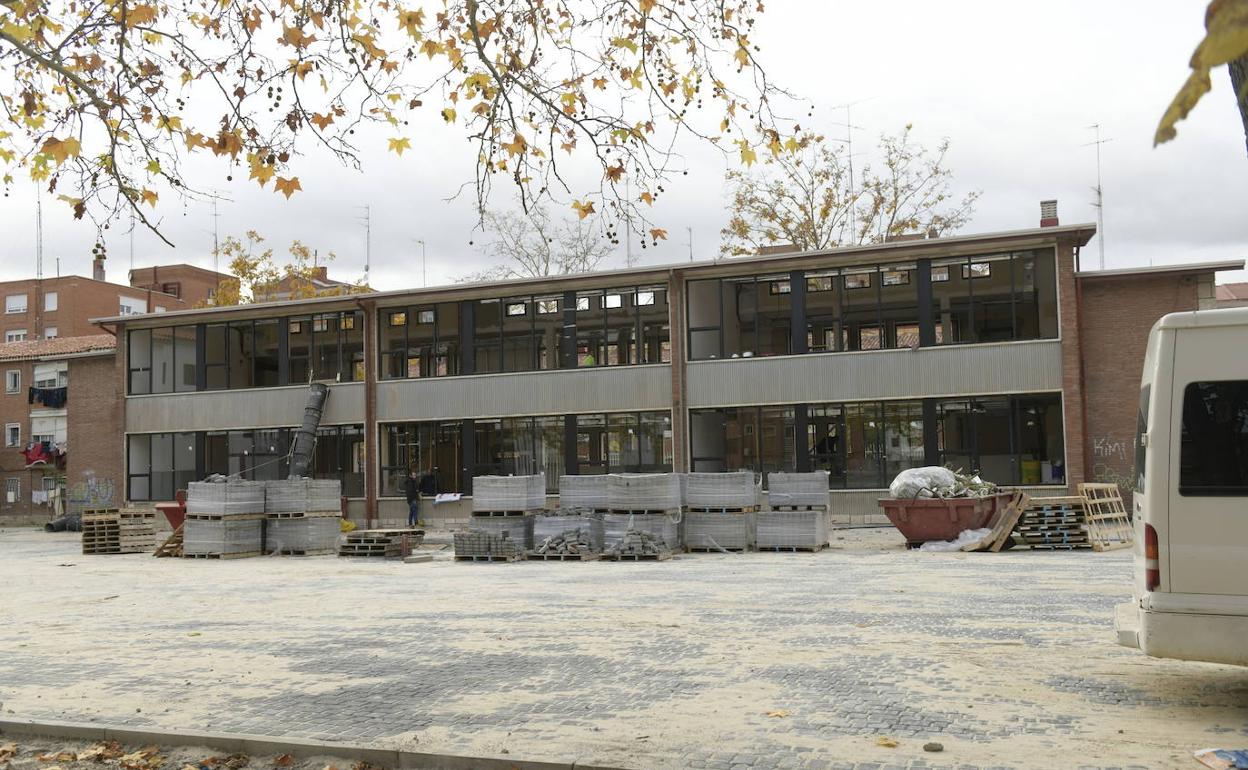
[[965, 537], [921, 482]]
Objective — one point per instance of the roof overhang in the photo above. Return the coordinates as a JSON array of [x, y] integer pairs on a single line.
[[954, 246], [1189, 267]]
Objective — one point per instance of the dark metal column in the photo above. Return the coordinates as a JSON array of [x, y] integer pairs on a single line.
[[927, 321], [797, 311]]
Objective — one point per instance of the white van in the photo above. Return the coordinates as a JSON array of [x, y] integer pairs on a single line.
[[1191, 496]]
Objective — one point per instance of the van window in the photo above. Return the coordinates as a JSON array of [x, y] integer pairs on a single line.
[[1141, 427], [1213, 460]]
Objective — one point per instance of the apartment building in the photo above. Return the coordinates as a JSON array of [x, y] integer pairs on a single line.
[[195, 286], [61, 418], [993, 352], [47, 308]]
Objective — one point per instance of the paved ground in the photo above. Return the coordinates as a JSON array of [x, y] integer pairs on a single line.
[[724, 662]]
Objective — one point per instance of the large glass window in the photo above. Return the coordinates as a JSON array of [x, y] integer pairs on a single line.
[[139, 358], [628, 442], [426, 447], [995, 297], [759, 439], [1213, 454], [487, 328], [419, 341], [1007, 439]]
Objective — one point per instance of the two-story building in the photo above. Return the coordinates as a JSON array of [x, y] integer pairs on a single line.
[[988, 352]]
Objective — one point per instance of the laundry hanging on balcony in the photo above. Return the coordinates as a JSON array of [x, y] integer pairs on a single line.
[[52, 398]]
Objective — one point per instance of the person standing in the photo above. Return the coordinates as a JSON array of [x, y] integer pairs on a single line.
[[412, 487]]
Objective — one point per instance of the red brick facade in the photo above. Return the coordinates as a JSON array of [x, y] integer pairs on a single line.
[[1118, 312], [77, 300], [195, 286]]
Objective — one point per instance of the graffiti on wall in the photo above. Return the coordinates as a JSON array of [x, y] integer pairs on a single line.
[[91, 492], [1104, 473], [1103, 446]]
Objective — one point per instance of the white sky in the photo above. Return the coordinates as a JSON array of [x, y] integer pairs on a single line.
[[1013, 85]]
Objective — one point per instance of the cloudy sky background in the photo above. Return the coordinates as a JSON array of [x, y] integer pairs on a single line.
[[1013, 86]]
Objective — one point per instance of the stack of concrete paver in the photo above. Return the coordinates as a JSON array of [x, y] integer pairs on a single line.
[[224, 519], [589, 525], [716, 530], [303, 516], [519, 529], [571, 544], [798, 490], [643, 492], [798, 519], [584, 492], [484, 546], [660, 526], [508, 493], [303, 496], [736, 491]]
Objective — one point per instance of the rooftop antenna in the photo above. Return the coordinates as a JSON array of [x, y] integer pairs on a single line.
[[689, 230], [132, 241], [1100, 200], [216, 236], [367, 221], [424, 264], [38, 263], [850, 128], [628, 224]]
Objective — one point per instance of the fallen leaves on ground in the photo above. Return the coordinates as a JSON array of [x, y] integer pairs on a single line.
[[7, 750], [778, 713], [103, 751], [146, 758], [886, 742], [283, 760], [361, 765], [63, 756]]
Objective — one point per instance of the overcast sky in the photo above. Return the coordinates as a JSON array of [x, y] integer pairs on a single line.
[[1013, 86]]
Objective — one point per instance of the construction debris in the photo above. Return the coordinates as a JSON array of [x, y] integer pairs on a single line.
[[590, 525], [664, 527], [639, 544], [570, 541], [934, 481]]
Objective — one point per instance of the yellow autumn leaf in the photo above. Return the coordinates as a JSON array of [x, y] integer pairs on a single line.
[[778, 713], [1226, 39], [658, 234], [399, 144], [623, 42], [171, 123], [748, 156], [150, 197], [61, 149], [647, 198], [448, 114], [412, 21], [583, 209], [886, 742], [516, 146], [646, 6], [287, 187]]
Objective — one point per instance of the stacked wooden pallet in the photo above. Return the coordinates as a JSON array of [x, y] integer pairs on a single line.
[[381, 543], [1053, 523], [118, 530]]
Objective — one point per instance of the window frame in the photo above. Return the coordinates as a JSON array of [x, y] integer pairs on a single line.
[[12, 384], [9, 428]]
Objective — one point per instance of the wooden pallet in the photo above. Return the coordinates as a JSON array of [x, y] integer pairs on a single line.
[[1109, 527], [172, 545], [722, 509], [489, 514], [640, 511], [225, 516], [711, 549], [660, 556], [244, 555], [1053, 523], [799, 508], [118, 530], [303, 552], [305, 515], [791, 548], [1002, 524], [583, 556], [490, 557]]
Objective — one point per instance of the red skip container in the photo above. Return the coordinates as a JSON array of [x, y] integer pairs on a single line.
[[923, 519]]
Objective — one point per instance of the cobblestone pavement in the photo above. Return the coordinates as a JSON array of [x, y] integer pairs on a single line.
[[723, 662]]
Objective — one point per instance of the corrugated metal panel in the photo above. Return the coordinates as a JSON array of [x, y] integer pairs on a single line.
[[605, 389], [226, 410], [1013, 367]]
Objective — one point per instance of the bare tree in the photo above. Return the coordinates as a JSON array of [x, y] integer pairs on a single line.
[[534, 245], [808, 199]]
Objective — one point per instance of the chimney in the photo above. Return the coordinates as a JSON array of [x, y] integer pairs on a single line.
[[1048, 213], [97, 269]]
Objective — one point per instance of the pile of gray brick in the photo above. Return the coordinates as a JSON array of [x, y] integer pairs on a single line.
[[221, 497], [224, 519], [798, 489], [303, 496], [664, 527], [476, 544], [713, 530], [519, 529], [305, 535], [590, 526]]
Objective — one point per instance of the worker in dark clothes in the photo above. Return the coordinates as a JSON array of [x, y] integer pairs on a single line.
[[412, 487]]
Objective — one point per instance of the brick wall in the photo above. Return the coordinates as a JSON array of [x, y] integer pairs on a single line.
[[78, 300], [93, 475], [14, 409], [1072, 347], [1117, 316]]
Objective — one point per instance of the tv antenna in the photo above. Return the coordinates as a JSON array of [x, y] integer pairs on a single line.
[[1100, 198], [366, 219], [216, 236], [848, 141]]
